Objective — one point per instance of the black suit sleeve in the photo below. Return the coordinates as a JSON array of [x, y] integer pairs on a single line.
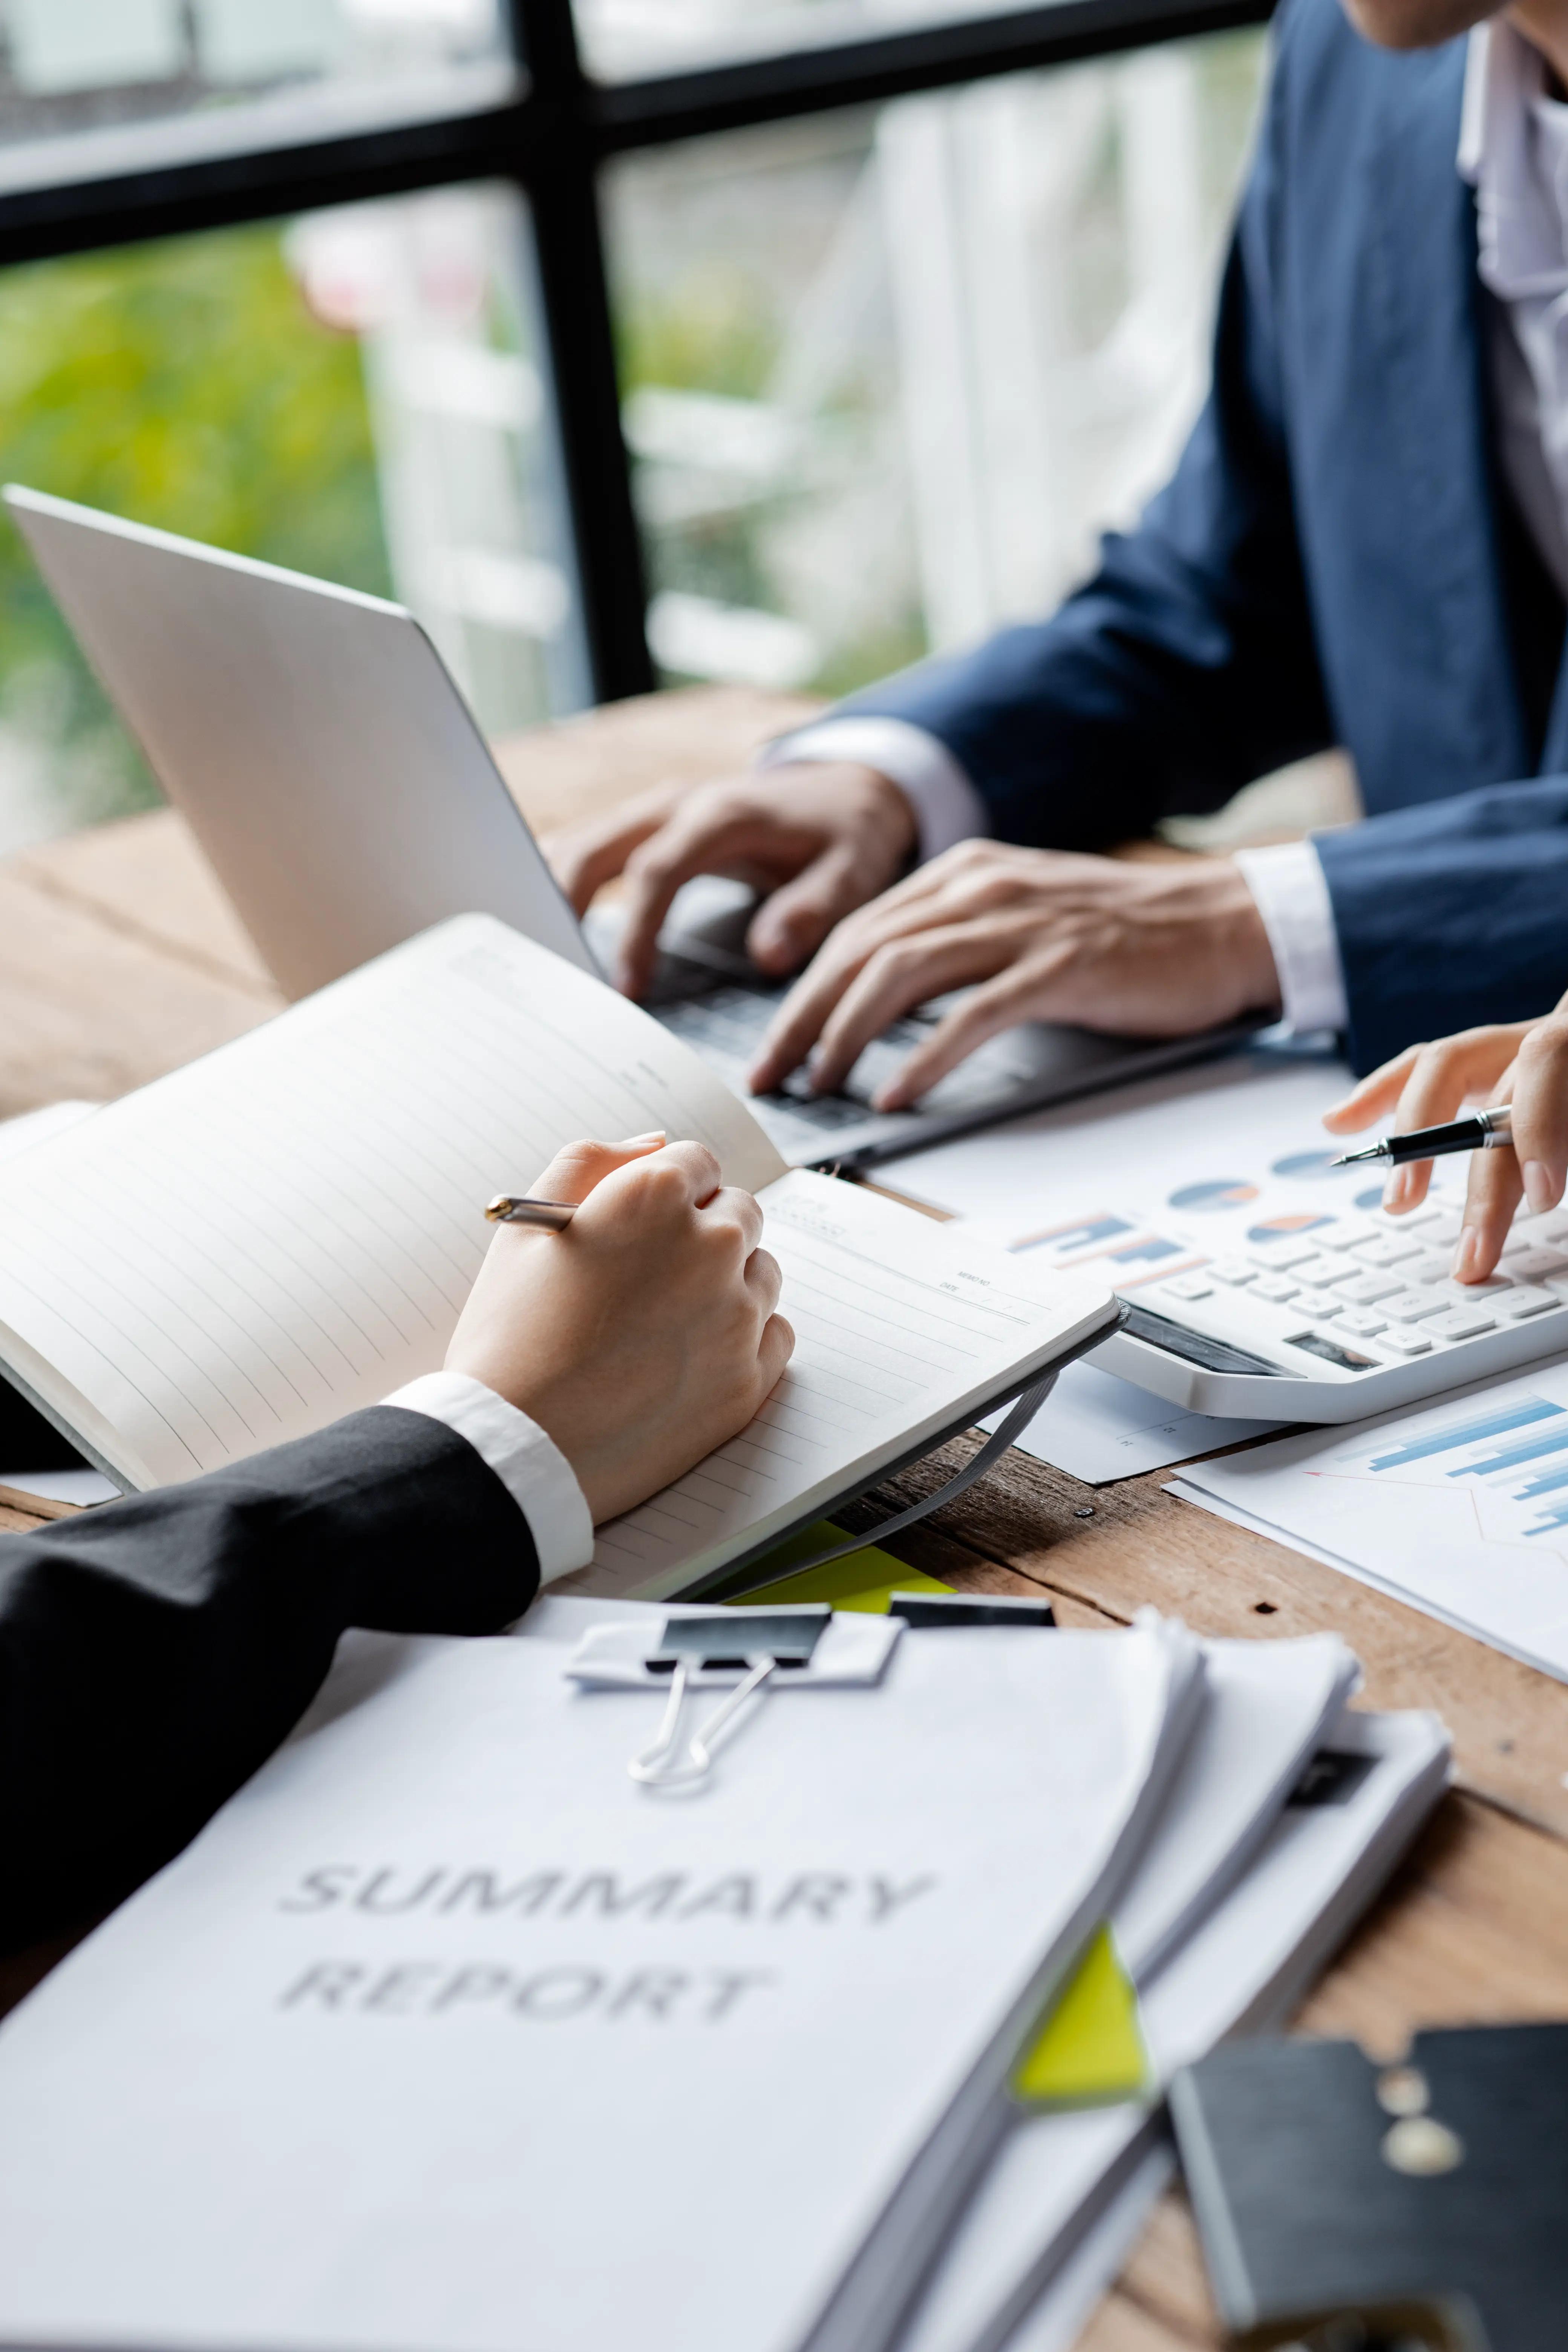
[[154, 1652]]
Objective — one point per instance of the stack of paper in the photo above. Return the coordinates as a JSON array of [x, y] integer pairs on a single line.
[[1051, 2222], [446, 2036]]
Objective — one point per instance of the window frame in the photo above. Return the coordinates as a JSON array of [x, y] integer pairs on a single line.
[[550, 141]]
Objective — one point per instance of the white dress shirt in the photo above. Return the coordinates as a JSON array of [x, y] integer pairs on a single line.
[[529, 1465], [1513, 149]]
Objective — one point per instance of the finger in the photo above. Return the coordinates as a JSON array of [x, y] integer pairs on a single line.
[[1011, 998], [660, 1191], [1379, 1091], [698, 1167], [583, 857], [1538, 1090], [793, 923], [797, 1023], [899, 976], [774, 1352], [1491, 1196], [577, 1168], [734, 1206], [692, 843], [1439, 1078], [764, 1279]]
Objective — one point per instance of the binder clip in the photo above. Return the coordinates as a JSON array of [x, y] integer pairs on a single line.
[[737, 1651], [775, 1645]]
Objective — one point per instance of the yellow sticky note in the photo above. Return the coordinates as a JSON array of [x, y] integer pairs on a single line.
[[865, 1579], [1089, 2051]]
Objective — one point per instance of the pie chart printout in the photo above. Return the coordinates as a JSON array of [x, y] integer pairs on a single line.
[[1230, 1193], [1307, 1166]]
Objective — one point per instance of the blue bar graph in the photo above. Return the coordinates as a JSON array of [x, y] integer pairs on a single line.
[[1553, 1442], [1467, 1432], [1546, 1485], [1551, 1521]]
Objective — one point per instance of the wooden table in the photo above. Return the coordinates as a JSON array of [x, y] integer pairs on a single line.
[[120, 959]]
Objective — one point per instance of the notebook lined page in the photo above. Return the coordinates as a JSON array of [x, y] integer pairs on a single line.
[[285, 1230], [900, 1325]]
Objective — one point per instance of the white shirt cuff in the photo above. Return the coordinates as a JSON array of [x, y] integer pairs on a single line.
[[947, 807], [529, 1465], [1287, 882]]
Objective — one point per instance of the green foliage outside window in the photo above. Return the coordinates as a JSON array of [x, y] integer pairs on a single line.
[[182, 384]]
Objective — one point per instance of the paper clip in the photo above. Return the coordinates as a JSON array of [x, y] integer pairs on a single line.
[[771, 1644]]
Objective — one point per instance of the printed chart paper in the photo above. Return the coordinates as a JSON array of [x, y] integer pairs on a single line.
[[1461, 1508]]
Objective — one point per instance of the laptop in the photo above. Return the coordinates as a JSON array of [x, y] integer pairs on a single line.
[[328, 764]]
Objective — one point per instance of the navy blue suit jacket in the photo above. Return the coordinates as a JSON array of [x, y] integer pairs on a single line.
[[1335, 561]]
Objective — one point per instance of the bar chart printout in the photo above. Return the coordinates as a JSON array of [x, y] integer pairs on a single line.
[[1460, 1507]]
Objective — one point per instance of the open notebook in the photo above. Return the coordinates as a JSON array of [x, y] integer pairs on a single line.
[[285, 1230]]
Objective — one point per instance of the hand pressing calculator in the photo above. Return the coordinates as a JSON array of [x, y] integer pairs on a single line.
[[1330, 1316]]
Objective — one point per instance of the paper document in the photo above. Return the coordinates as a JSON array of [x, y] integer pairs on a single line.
[[1220, 1125], [79, 1486], [1460, 1507], [1242, 1968], [1098, 1427], [1266, 1707], [1140, 1184], [446, 2033]]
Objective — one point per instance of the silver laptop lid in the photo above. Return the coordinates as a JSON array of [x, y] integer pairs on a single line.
[[312, 737]]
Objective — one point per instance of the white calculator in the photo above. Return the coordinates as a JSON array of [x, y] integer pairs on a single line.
[[1327, 1316]]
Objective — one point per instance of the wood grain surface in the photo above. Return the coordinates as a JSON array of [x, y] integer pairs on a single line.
[[120, 958]]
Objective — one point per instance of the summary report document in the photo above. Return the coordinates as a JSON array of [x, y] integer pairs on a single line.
[[286, 1232], [446, 2036]]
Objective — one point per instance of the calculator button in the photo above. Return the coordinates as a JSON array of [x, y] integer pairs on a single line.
[[1273, 1288], [1389, 1249], [1281, 1259], [1439, 1227], [1317, 1273], [1235, 1270], [1189, 1286], [1554, 1227], [1462, 1322], [1415, 1306], [1362, 1322], [1464, 1294], [1432, 1265], [1534, 1265], [1347, 1233], [1525, 1301], [1366, 1289], [1406, 1343]]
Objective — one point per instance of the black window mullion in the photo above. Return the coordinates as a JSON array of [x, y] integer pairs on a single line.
[[559, 176]]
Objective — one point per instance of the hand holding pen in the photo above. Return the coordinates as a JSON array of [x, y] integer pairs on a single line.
[[1518, 1143]]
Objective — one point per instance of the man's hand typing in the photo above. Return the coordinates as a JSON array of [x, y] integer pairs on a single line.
[[817, 838], [1157, 950]]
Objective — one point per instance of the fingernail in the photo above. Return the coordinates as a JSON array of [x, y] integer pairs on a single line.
[[1539, 1190], [1466, 1254], [649, 1142], [1396, 1191]]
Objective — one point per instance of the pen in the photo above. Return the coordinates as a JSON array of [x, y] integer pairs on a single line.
[[519, 1209], [1486, 1131]]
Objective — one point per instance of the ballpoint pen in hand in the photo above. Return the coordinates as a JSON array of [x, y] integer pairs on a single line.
[[520, 1209], [1485, 1130]]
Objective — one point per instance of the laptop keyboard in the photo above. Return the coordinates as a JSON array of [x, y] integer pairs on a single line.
[[726, 1026]]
